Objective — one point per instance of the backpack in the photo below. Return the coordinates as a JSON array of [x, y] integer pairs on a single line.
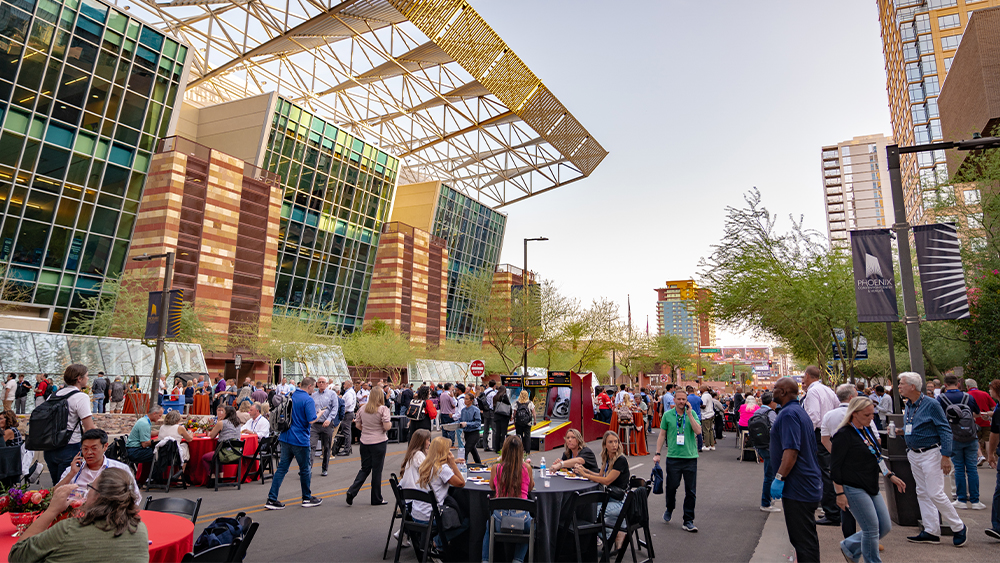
[[416, 410], [50, 390], [963, 427], [522, 417], [281, 416], [481, 402], [47, 426], [759, 426], [222, 531]]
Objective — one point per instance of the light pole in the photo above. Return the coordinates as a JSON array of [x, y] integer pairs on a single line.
[[911, 318], [524, 285], [161, 331]]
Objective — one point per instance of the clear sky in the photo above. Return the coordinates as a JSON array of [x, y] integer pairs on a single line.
[[697, 102]]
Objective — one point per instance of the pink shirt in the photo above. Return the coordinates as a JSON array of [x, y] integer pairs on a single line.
[[525, 480], [372, 429], [746, 413]]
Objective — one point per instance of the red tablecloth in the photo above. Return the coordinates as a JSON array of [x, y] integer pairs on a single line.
[[638, 437], [203, 445], [136, 403], [201, 405], [172, 536]]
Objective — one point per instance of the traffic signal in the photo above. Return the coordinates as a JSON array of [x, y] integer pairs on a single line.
[[703, 372], [769, 364]]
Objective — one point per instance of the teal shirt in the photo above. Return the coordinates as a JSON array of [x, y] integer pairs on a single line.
[[668, 424], [141, 432]]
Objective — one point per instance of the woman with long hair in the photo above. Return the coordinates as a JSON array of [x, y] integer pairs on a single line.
[[416, 453], [438, 472], [110, 526], [511, 478], [576, 453], [855, 463], [373, 421], [11, 438], [227, 428], [502, 414], [430, 412], [471, 420], [523, 431], [614, 473]]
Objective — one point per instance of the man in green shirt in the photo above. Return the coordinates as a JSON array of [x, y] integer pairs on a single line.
[[679, 429]]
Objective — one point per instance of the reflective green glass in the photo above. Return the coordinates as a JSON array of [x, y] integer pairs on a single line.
[[67, 212], [105, 221], [30, 243], [95, 10], [41, 206], [52, 162], [59, 135], [117, 21]]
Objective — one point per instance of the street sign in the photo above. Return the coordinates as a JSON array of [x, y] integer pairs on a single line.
[[238, 360], [615, 373], [477, 368], [711, 350]]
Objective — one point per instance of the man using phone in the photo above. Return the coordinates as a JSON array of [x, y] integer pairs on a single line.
[[90, 462], [679, 429]]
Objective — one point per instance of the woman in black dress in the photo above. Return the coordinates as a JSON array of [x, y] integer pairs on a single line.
[[502, 412]]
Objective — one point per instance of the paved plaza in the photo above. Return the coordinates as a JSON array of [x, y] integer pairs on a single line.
[[731, 528]]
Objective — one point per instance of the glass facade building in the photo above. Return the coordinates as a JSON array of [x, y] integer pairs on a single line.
[[85, 91], [338, 192], [474, 234]]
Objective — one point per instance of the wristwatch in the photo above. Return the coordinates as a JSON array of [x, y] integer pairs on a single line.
[[779, 477]]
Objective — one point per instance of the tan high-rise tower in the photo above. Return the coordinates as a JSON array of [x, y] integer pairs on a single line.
[[856, 186]]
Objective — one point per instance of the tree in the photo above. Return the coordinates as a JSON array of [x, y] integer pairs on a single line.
[[378, 348], [294, 335], [671, 351], [590, 335], [12, 292]]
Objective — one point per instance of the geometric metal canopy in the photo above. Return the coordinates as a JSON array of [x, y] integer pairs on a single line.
[[426, 80]]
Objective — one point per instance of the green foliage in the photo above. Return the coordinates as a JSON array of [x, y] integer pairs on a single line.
[[379, 349], [672, 352], [295, 335]]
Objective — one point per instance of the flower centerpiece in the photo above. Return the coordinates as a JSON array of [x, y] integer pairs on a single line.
[[24, 505]]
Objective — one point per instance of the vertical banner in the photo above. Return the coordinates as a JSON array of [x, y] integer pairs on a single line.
[[874, 282], [942, 277], [174, 301]]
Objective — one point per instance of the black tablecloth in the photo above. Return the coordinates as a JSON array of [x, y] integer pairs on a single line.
[[553, 505]]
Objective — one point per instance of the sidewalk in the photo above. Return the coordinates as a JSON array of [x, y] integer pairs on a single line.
[[774, 546]]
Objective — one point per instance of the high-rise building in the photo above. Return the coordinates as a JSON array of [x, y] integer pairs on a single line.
[[676, 313], [472, 231], [919, 39], [854, 192], [508, 282], [409, 290], [85, 92], [337, 193]]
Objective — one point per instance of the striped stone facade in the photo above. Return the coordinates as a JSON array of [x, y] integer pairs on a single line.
[[409, 290]]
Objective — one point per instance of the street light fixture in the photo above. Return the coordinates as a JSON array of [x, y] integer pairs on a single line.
[[161, 332], [524, 285]]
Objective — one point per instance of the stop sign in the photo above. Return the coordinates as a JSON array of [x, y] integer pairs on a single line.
[[477, 368]]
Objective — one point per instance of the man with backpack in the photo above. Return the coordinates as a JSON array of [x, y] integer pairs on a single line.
[[961, 410], [491, 390], [24, 388], [760, 436], [293, 419], [56, 426]]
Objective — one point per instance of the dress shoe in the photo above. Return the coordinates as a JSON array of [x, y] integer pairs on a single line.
[[824, 521], [350, 499]]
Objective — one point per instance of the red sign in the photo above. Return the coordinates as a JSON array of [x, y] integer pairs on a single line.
[[477, 368]]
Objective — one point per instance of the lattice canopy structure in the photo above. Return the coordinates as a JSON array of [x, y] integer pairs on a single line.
[[427, 80]]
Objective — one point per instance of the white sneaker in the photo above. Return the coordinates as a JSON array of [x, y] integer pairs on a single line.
[[981, 460], [977, 506], [770, 509], [960, 504]]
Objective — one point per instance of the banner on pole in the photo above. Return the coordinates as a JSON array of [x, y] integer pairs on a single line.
[[174, 301], [874, 282], [942, 277]]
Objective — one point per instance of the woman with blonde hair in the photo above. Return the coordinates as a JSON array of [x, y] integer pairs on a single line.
[[855, 464], [511, 478], [524, 411], [614, 474], [576, 453], [171, 428], [373, 421]]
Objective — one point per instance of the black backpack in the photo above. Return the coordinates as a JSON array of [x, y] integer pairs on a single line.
[[415, 410], [759, 427], [481, 402], [522, 417], [47, 426], [281, 416], [963, 425]]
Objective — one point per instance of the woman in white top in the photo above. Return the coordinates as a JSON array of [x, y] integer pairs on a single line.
[[437, 473], [172, 428], [416, 452]]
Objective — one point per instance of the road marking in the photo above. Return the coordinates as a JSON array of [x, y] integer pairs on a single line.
[[634, 467]]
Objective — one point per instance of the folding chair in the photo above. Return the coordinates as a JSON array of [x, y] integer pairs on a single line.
[[587, 528], [410, 526], [180, 506], [241, 549], [235, 445], [172, 472], [397, 512], [635, 505], [513, 537], [263, 457]]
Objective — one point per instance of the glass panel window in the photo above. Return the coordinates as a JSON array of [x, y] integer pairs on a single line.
[[30, 243], [950, 42], [949, 21], [971, 197]]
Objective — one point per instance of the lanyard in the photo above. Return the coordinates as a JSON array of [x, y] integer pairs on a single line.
[[869, 441], [681, 424], [79, 473], [911, 410], [253, 424]]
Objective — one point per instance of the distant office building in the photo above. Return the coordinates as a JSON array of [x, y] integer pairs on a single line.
[[409, 290], [508, 280], [85, 92], [676, 314], [856, 187], [919, 39], [219, 216], [474, 234], [337, 194]]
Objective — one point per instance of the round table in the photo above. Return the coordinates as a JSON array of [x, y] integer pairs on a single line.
[[201, 405], [202, 445], [172, 536], [553, 506]]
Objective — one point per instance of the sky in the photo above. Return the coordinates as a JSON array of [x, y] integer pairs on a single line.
[[697, 102]]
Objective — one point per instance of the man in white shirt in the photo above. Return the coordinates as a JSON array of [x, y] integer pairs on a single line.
[[350, 398], [883, 405], [258, 424], [820, 400], [620, 396], [707, 418], [362, 395], [10, 389], [845, 394], [90, 462]]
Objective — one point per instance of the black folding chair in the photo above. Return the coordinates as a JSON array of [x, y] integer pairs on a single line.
[[587, 528], [241, 550], [635, 505], [180, 506], [234, 445], [505, 503], [169, 471], [398, 511], [118, 452], [263, 457], [217, 554], [410, 526]]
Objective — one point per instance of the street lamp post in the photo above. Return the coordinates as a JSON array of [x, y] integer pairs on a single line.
[[911, 318], [161, 331], [524, 285]]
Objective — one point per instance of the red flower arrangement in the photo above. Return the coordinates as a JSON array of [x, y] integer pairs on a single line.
[[20, 500]]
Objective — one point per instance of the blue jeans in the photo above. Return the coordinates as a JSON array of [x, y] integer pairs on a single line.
[[58, 460], [520, 549], [301, 455], [873, 517], [98, 402], [447, 419], [765, 494], [611, 516], [965, 455]]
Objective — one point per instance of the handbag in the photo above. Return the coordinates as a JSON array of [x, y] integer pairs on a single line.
[[657, 478], [501, 409], [615, 493], [514, 521], [451, 518]]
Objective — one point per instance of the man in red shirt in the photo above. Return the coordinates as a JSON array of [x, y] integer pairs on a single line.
[[986, 406], [40, 390], [604, 405]]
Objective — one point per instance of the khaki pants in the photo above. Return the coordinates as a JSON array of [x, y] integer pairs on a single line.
[[8, 404], [708, 431], [116, 406]]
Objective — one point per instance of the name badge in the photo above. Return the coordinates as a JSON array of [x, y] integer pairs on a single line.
[[680, 439], [908, 429], [883, 467]]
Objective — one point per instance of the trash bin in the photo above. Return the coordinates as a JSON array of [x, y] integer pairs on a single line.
[[903, 507]]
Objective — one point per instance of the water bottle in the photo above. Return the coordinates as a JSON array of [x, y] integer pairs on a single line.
[[892, 429], [461, 454], [545, 473]]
